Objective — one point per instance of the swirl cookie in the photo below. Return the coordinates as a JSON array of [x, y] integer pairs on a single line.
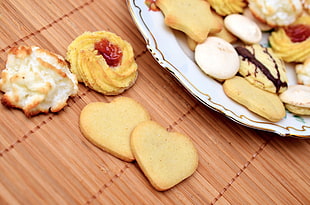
[[226, 7], [292, 43], [103, 61], [276, 12], [193, 17], [261, 67], [36, 81], [266, 104]]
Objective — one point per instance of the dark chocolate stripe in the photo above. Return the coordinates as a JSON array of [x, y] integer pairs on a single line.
[[246, 54]]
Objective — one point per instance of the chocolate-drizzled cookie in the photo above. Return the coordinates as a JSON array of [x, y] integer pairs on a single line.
[[261, 67]]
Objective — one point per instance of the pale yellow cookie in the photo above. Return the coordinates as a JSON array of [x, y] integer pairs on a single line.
[[103, 61], [193, 17], [166, 158], [266, 104], [292, 43], [261, 67], [226, 7], [109, 125]]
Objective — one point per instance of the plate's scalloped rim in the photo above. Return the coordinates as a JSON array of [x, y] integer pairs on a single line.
[[159, 56]]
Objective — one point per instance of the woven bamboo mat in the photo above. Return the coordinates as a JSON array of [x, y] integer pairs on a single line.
[[46, 160]]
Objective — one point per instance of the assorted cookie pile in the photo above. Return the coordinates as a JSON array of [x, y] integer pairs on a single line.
[[38, 81], [225, 37], [124, 129]]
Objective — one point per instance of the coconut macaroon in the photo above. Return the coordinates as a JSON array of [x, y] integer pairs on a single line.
[[36, 81], [297, 99], [276, 12]]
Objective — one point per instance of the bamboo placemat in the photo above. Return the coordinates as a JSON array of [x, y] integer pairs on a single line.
[[46, 160]]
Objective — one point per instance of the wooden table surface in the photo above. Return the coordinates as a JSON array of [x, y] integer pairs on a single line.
[[46, 160]]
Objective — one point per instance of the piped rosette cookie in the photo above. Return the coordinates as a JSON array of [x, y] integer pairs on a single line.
[[103, 61], [292, 43]]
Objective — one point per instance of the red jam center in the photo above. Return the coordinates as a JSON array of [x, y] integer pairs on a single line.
[[298, 32], [110, 52]]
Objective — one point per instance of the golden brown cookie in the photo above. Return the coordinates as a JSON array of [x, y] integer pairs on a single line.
[[266, 104], [193, 17], [109, 125], [36, 81], [226, 7], [292, 43], [166, 158], [261, 67], [103, 61]]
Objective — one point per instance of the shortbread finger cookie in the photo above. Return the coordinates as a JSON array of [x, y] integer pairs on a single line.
[[193, 17], [166, 158], [266, 104], [261, 67], [36, 81], [109, 125]]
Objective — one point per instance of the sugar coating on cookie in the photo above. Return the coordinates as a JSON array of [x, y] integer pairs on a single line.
[[36, 81], [298, 95], [297, 99], [109, 125], [244, 28], [261, 67], [166, 158], [217, 58], [276, 12], [303, 73]]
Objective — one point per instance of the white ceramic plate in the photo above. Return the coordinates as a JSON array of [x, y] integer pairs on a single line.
[[169, 49]]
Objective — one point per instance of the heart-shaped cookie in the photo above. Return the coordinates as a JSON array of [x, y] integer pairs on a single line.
[[166, 158], [109, 125]]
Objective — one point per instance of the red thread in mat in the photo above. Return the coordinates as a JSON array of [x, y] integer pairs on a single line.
[[245, 166], [18, 141], [47, 26], [106, 185]]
